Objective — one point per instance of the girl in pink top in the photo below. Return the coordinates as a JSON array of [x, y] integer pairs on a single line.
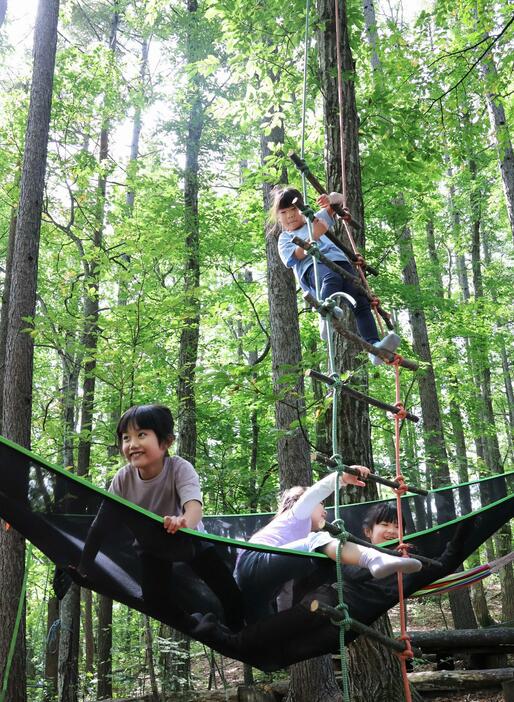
[[262, 575]]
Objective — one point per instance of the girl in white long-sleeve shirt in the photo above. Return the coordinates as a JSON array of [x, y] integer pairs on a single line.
[[262, 574]]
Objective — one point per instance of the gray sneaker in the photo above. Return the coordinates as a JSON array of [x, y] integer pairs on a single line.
[[388, 343]]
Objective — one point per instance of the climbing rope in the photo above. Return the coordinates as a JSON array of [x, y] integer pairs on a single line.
[[402, 546], [306, 210], [326, 310], [309, 215]]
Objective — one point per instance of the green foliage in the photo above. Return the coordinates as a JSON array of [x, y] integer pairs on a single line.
[[421, 136]]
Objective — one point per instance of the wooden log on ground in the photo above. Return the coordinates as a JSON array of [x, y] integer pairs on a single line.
[[462, 638], [441, 680]]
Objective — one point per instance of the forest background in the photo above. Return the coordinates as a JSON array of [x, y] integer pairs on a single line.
[[169, 123]]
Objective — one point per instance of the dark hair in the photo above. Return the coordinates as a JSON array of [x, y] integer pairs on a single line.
[[283, 198], [289, 497], [158, 418], [381, 512]]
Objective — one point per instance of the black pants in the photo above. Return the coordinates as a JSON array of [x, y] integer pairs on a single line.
[[158, 577], [261, 575]]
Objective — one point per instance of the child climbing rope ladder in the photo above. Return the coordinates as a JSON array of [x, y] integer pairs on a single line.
[[287, 210]]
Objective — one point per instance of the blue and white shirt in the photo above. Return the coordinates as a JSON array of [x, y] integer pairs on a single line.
[[286, 248]]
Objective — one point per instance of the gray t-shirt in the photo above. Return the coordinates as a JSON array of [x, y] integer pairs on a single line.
[[166, 494]]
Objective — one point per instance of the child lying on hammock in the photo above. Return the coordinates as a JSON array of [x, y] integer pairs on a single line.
[[262, 575]]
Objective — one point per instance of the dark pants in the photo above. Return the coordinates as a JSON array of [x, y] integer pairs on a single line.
[[157, 584], [330, 283], [261, 575]]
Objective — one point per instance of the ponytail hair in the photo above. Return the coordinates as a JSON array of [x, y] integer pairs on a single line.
[[289, 498]]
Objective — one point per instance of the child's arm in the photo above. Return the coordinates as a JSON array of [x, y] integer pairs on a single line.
[[322, 489], [192, 516], [319, 226]]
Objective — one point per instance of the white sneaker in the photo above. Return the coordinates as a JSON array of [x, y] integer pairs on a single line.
[[388, 343]]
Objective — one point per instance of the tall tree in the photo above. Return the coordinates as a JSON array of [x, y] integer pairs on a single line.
[[311, 680], [372, 667], [18, 370], [500, 130], [190, 333], [70, 606]]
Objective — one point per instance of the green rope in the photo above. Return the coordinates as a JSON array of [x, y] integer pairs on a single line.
[[342, 537], [17, 622], [329, 304]]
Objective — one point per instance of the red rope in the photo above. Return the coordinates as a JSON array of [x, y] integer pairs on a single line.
[[402, 547]]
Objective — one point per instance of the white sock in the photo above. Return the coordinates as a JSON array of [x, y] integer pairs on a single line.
[[381, 564]]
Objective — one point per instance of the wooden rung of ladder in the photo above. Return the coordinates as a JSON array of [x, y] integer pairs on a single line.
[[337, 616], [359, 395], [330, 463]]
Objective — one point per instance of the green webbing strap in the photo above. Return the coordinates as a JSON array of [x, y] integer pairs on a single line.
[[17, 622]]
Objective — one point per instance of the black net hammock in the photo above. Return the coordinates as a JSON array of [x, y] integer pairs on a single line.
[[185, 580]]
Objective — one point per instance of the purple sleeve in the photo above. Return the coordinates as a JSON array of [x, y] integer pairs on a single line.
[[313, 496]]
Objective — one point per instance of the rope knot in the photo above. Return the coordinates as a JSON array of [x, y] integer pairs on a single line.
[[402, 487], [343, 534], [313, 250], [396, 360], [403, 548], [346, 621], [303, 167], [407, 653], [402, 412], [308, 212]]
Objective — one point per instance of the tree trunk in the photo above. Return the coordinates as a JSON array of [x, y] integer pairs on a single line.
[[501, 134], [51, 648], [503, 539], [69, 645], [455, 414], [104, 637], [189, 337], [435, 447], [5, 307], [89, 639], [292, 450], [353, 425], [150, 659], [314, 679], [18, 370]]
